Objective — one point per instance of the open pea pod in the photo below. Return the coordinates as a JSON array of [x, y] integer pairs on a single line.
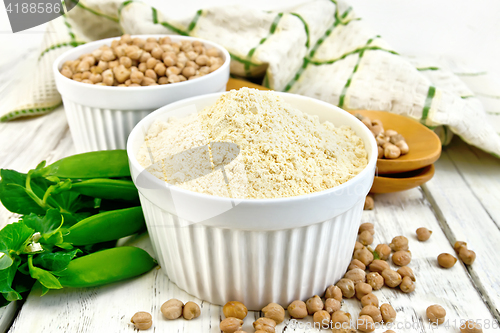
[[106, 226], [113, 189], [106, 266], [96, 164]]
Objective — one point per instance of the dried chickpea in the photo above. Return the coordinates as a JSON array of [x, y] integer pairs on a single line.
[[391, 151], [126, 38], [244, 332], [367, 226], [322, 319], [66, 71], [399, 243], [128, 82], [235, 309], [365, 238], [297, 309], [173, 70], [378, 266], [391, 278], [376, 129], [126, 61], [275, 312], [372, 311], [89, 59], [77, 77], [401, 258], [363, 255], [97, 54], [96, 70], [169, 61], [383, 251], [365, 324], [174, 78], [458, 245], [151, 74], [201, 60], [151, 63], [83, 66], [340, 317], [471, 327], [142, 320], [142, 67], [146, 81], [403, 147], [103, 65], [379, 155], [86, 75], [407, 285], [406, 271], [388, 313], [157, 53], [375, 280], [388, 133], [358, 246], [362, 289], [356, 275], [163, 80], [213, 52], [136, 77], [230, 325], [172, 309], [332, 305], [108, 55], [355, 263], [113, 64], [214, 67], [204, 70], [369, 299], [436, 314], [369, 203], [151, 45], [446, 260], [314, 304], [121, 73], [467, 256], [166, 40], [333, 292], [160, 69], [347, 287], [423, 234], [188, 71], [389, 331], [95, 78], [265, 324], [107, 77], [191, 310]]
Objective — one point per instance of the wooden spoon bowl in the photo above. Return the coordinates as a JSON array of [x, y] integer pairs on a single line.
[[402, 181], [424, 144]]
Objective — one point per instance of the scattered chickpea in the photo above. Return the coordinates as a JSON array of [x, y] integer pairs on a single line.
[[372, 311], [358, 246], [391, 278], [423, 234], [275, 312], [297, 309], [378, 266], [367, 226], [265, 324], [364, 255], [406, 271], [365, 324], [369, 299], [399, 243], [458, 245], [142, 320], [191, 310], [362, 289], [231, 325], [356, 275], [333, 292], [314, 304], [369, 203], [347, 287], [407, 285], [365, 238], [383, 251], [436, 314], [401, 258], [322, 318], [355, 263], [340, 317], [172, 309], [466, 255], [389, 331], [446, 260], [375, 280], [235, 309], [388, 313], [332, 305], [470, 326]]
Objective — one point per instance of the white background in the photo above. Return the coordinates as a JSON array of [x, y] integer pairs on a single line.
[[464, 30]]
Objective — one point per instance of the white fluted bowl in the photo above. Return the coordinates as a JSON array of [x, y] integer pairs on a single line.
[[101, 117], [255, 251]]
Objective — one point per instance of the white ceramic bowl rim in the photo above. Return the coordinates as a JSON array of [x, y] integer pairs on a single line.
[[160, 183], [59, 62]]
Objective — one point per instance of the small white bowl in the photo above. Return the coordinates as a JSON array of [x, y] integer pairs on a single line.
[[101, 117], [255, 251]]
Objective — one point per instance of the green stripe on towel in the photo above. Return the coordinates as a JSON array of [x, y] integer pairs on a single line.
[[428, 103]]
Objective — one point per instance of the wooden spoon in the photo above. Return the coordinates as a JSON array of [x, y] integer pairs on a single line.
[[402, 181], [424, 144]]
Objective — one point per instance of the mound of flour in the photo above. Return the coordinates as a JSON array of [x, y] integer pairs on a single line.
[[252, 144]]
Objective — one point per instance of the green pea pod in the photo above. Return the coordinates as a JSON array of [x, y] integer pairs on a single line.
[[106, 266], [97, 164], [103, 188], [106, 226]]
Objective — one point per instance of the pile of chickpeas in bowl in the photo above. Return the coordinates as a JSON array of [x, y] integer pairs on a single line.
[[135, 62]]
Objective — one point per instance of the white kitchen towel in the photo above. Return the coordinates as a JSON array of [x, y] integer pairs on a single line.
[[319, 49]]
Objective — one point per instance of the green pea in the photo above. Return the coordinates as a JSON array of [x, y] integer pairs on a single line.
[[107, 189], [106, 266], [106, 226], [97, 164]]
